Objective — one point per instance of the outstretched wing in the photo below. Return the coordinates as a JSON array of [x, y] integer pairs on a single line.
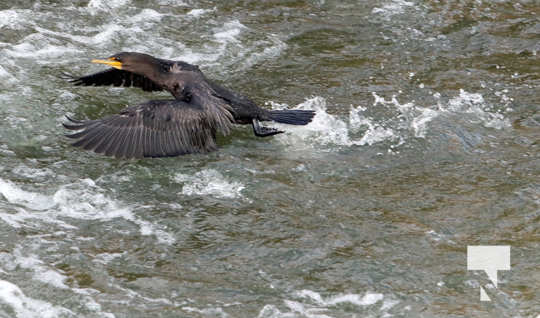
[[159, 128], [116, 77], [124, 78]]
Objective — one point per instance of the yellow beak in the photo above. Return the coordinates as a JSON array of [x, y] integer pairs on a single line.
[[110, 62]]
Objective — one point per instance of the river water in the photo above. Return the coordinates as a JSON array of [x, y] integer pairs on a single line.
[[426, 141]]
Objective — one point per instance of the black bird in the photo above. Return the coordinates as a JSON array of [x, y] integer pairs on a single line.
[[163, 128]]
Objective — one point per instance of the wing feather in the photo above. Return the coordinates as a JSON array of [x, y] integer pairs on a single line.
[[153, 147], [87, 138], [128, 144], [98, 140], [167, 140], [106, 142], [138, 150], [158, 128], [116, 77], [114, 141]]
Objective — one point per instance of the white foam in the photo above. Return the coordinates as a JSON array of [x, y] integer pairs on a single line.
[[475, 105], [400, 122], [31, 200], [392, 8], [366, 300], [226, 47], [82, 200], [271, 311], [34, 46], [33, 173], [172, 2], [196, 13], [388, 303], [11, 18], [23, 306], [314, 305], [328, 129], [227, 43], [85, 200], [271, 47], [208, 312], [8, 78], [146, 16], [101, 38], [306, 293], [411, 117], [324, 128], [91, 304], [419, 123], [41, 272], [304, 310], [148, 228], [229, 32], [105, 258], [355, 299], [209, 182], [374, 133], [95, 6]]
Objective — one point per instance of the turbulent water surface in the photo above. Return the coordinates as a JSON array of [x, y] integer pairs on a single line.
[[425, 141]]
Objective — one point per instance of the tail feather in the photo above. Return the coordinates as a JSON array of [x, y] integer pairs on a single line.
[[292, 117]]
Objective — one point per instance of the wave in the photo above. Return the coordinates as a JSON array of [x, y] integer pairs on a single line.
[[308, 303], [43, 275], [81, 200]]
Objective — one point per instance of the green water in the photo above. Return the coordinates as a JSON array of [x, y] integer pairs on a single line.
[[426, 140]]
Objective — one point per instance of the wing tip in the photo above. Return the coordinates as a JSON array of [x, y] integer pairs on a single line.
[[73, 124], [71, 78]]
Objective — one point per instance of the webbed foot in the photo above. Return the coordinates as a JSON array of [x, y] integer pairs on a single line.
[[261, 131]]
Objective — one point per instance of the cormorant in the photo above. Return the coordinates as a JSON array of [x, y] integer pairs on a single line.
[[163, 128]]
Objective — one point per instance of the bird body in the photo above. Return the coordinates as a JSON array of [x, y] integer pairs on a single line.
[[159, 128]]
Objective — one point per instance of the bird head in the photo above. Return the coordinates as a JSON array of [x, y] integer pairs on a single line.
[[129, 61]]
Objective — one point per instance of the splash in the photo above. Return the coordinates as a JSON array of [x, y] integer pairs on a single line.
[[478, 110], [386, 121], [329, 129], [410, 117], [82, 200], [209, 182]]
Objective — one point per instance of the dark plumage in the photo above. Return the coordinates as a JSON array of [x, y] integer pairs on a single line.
[[162, 128]]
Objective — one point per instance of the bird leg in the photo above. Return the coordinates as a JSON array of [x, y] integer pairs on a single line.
[[261, 131]]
